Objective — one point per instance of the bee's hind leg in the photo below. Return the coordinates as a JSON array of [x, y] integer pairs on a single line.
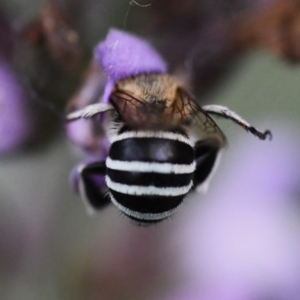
[[228, 114], [89, 182], [207, 160]]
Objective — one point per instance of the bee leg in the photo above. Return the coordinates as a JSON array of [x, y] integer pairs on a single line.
[[207, 161], [228, 114], [91, 185], [89, 111]]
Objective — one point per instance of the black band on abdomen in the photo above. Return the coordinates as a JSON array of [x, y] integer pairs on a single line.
[[152, 150]]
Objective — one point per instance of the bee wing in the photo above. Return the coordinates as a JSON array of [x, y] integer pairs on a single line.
[[208, 137], [204, 128], [128, 107], [198, 124], [180, 112]]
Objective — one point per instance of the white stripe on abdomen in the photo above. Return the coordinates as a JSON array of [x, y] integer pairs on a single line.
[[138, 166], [147, 190]]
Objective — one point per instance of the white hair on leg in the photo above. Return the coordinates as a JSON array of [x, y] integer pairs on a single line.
[[89, 111], [228, 114]]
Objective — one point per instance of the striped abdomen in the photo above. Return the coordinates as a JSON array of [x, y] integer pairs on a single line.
[[149, 173]]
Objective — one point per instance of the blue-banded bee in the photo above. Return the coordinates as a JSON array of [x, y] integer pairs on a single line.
[[163, 146]]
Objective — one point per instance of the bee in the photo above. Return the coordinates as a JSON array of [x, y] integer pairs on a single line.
[[163, 146]]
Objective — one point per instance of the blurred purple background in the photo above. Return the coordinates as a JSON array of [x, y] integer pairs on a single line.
[[239, 241]]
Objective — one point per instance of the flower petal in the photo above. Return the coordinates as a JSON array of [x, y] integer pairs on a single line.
[[16, 122], [123, 55]]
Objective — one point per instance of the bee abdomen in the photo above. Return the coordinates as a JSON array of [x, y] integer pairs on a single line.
[[148, 177]]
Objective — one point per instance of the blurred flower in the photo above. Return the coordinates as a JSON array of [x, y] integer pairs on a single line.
[[16, 122], [242, 241], [88, 134], [121, 55]]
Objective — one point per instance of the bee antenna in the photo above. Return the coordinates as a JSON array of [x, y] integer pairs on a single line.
[[228, 114]]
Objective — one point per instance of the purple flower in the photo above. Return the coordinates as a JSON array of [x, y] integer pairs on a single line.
[[123, 55], [88, 134], [243, 236], [16, 123]]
